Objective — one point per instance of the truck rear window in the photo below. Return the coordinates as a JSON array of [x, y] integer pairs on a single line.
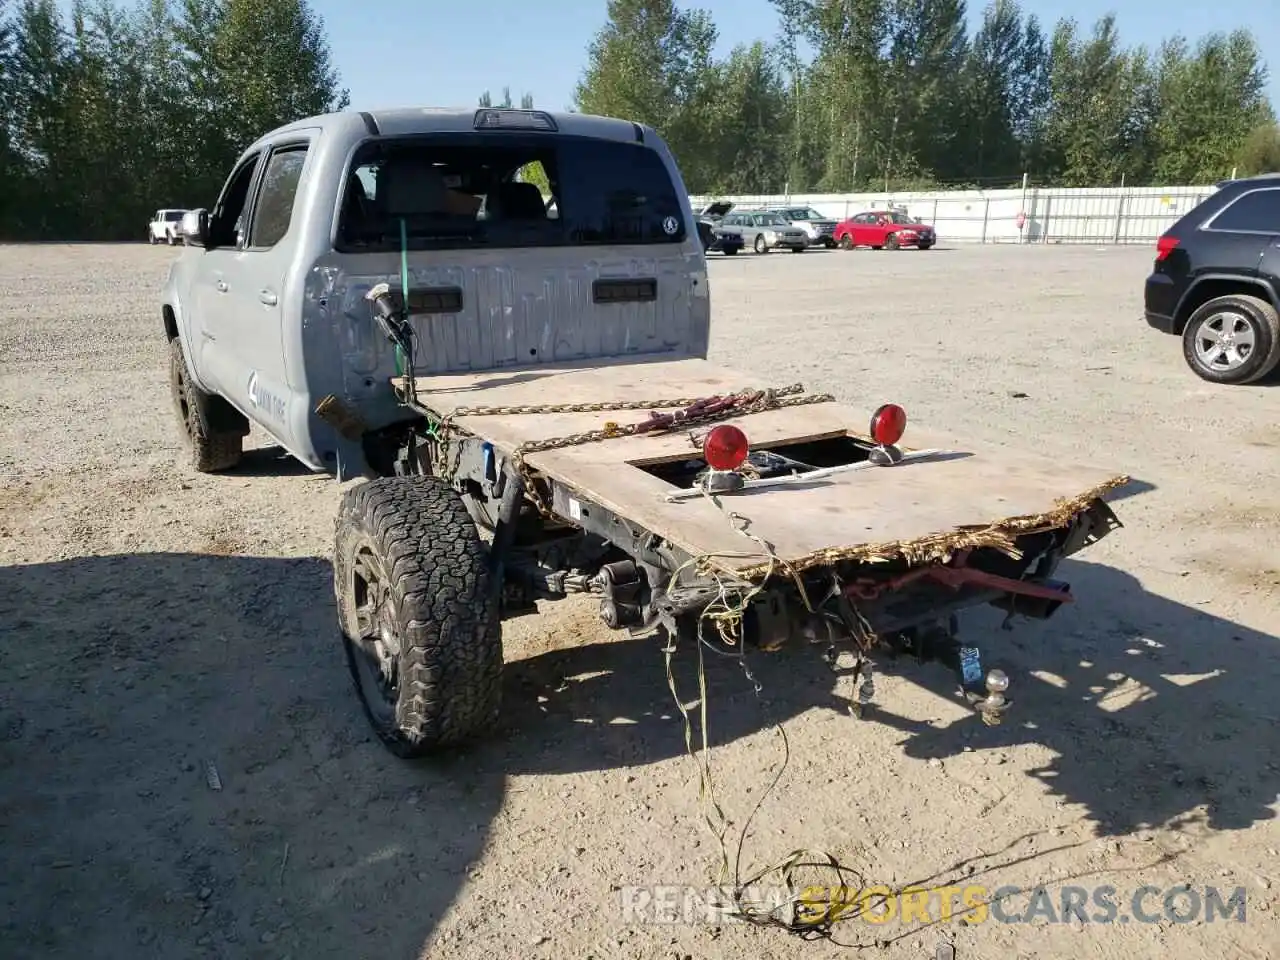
[[506, 190]]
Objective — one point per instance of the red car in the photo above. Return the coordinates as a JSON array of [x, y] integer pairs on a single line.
[[889, 229]]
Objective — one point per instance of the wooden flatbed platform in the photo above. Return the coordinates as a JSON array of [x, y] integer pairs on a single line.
[[906, 502]]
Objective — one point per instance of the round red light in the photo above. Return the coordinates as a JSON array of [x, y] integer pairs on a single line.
[[888, 424], [725, 447]]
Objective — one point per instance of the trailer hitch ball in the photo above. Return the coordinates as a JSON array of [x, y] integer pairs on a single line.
[[993, 706]]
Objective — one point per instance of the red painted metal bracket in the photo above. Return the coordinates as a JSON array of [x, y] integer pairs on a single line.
[[955, 575]]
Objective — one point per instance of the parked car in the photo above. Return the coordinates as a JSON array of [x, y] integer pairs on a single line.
[[889, 229], [714, 212], [713, 238], [764, 230], [819, 229], [165, 226], [1216, 282]]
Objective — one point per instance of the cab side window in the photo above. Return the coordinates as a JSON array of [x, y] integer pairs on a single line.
[[273, 211], [226, 221]]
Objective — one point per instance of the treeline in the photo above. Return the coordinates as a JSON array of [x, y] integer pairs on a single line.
[[893, 94], [112, 112]]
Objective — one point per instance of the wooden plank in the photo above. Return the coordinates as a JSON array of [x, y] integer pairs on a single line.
[[661, 377], [684, 378], [904, 502]]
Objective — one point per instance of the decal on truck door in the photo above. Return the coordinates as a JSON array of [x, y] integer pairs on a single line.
[[272, 407]]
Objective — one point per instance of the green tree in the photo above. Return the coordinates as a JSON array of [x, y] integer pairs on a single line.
[[928, 50], [273, 65], [12, 167], [1032, 95], [651, 63], [1260, 152], [526, 100], [848, 82], [1094, 85], [1209, 103], [747, 124], [989, 82]]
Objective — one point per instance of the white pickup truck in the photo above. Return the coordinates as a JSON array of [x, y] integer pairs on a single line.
[[165, 227]]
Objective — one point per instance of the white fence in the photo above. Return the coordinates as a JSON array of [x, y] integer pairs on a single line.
[[1050, 215]]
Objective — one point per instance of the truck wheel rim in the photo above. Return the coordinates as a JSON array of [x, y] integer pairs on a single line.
[[1224, 341], [378, 637]]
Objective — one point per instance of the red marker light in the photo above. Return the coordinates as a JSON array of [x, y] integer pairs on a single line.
[[1165, 246], [725, 448], [888, 424]]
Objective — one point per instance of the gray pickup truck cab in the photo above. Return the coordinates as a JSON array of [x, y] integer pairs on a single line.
[[265, 308]]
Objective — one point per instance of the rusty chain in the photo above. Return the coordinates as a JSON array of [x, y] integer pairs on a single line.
[[606, 405], [738, 404]]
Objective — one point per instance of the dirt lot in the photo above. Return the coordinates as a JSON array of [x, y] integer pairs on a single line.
[[156, 621]]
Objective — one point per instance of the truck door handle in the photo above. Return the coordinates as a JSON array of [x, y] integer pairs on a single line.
[[221, 286], [267, 297]]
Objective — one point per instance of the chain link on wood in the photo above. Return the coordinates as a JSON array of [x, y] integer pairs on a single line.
[[606, 405], [741, 403], [750, 402]]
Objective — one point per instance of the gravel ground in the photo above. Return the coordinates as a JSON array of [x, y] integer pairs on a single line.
[[156, 621]]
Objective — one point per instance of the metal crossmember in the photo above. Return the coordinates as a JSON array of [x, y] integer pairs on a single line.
[[687, 412]]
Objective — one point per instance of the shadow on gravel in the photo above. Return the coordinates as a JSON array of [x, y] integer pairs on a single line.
[[125, 676], [121, 678], [1131, 489], [269, 461], [1160, 713]]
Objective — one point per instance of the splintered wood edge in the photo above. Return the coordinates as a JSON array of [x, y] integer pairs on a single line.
[[938, 547]]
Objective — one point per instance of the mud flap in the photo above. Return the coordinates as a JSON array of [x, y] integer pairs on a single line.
[[219, 416]]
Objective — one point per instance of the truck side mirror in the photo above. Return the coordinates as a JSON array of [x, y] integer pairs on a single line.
[[195, 227]]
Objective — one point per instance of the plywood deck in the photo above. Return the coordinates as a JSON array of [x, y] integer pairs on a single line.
[[905, 502]]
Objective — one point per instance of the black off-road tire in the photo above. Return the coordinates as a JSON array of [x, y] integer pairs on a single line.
[[1262, 320], [409, 560], [210, 450]]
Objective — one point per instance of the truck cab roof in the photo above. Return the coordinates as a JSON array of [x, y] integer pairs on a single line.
[[412, 121]]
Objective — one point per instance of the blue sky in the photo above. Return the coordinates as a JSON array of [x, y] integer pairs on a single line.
[[395, 53]]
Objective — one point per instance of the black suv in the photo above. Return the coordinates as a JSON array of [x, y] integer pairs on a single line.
[[1216, 282]]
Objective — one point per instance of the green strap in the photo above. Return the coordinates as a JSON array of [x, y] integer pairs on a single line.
[[401, 360]]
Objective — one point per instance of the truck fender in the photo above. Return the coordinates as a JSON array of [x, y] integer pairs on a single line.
[[176, 327], [215, 412]]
